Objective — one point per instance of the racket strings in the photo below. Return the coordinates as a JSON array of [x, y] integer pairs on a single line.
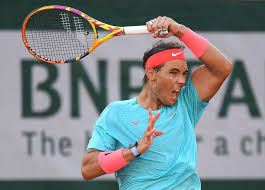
[[59, 35]]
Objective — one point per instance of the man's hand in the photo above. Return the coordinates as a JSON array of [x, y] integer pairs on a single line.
[[165, 23], [150, 133]]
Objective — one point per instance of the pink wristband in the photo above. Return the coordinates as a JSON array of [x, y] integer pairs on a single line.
[[111, 161], [196, 43]]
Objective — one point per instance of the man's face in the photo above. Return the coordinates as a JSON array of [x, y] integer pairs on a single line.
[[169, 80]]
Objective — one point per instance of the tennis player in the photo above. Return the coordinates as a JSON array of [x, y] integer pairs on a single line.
[[149, 141]]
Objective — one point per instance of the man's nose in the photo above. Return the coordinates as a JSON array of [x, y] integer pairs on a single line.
[[181, 79]]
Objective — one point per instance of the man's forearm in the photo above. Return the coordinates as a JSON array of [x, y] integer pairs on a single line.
[[211, 57], [90, 166]]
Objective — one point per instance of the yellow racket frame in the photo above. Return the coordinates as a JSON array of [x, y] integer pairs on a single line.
[[116, 31]]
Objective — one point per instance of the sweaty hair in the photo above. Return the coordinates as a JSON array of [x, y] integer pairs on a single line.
[[158, 47]]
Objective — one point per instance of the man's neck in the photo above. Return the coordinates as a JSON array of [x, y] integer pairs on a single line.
[[147, 99]]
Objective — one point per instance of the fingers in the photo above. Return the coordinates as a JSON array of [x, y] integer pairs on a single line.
[[152, 119], [157, 116], [153, 133], [162, 27], [158, 133], [150, 133], [149, 25], [159, 25], [149, 125], [159, 35], [150, 114]]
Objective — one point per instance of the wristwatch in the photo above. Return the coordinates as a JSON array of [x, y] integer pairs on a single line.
[[134, 149]]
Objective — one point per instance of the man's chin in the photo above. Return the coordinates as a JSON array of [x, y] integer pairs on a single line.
[[171, 103]]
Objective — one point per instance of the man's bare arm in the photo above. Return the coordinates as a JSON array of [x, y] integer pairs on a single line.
[[90, 166], [208, 78]]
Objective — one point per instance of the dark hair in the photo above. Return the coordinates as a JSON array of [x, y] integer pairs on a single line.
[[158, 47]]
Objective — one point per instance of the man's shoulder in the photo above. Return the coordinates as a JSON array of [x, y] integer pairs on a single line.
[[121, 104], [116, 108]]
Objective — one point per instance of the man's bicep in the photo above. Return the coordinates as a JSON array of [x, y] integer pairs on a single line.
[[206, 83]]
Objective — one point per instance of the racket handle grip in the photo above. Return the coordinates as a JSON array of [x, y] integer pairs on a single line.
[[131, 30]]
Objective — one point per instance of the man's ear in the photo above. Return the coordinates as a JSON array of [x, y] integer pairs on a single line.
[[150, 73]]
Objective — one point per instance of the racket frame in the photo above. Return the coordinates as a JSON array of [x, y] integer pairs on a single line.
[[116, 31]]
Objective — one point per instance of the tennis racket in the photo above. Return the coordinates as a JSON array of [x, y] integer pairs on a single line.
[[59, 34]]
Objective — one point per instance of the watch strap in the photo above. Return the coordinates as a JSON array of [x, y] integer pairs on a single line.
[[134, 151]]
